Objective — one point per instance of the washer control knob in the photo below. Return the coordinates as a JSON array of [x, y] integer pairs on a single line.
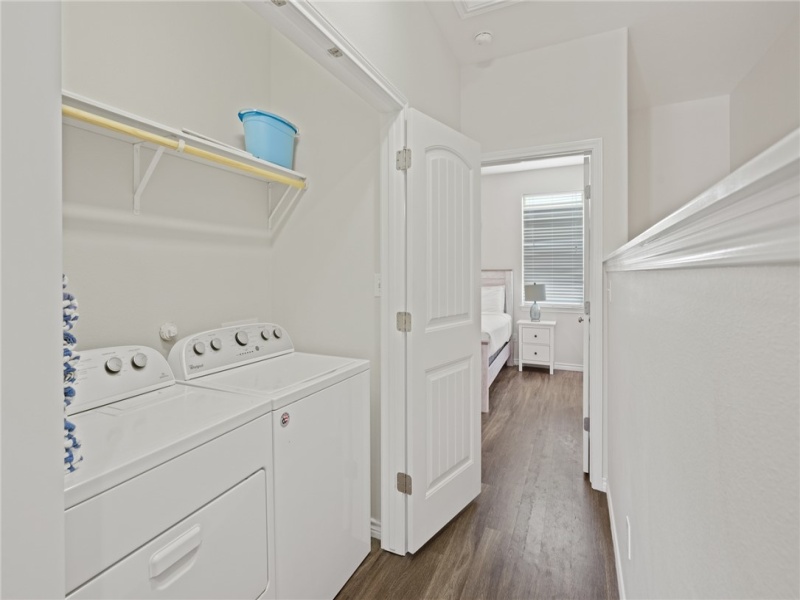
[[114, 364], [265, 334], [216, 344], [139, 360], [199, 348], [241, 338], [277, 332]]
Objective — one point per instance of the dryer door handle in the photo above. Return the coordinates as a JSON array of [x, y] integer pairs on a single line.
[[163, 559]]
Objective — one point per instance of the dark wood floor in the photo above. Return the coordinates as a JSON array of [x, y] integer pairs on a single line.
[[537, 530]]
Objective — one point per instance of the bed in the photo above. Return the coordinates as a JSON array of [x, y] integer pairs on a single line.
[[497, 309]]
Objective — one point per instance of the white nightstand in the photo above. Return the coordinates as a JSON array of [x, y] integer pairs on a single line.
[[536, 343]]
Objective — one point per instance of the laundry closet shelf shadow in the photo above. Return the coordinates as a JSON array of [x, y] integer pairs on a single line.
[[106, 120]]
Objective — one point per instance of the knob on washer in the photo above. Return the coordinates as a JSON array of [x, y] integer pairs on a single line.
[[199, 348], [114, 364], [241, 338], [277, 332], [139, 360], [216, 344], [265, 334]]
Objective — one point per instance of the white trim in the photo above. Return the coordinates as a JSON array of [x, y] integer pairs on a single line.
[[304, 25], [478, 7], [620, 582], [393, 344], [375, 528], [556, 308], [596, 275], [558, 367], [750, 217], [307, 27]]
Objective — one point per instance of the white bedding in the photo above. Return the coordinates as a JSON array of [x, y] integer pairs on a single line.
[[498, 327]]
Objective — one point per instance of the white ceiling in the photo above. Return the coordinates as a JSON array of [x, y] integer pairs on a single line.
[[678, 51]]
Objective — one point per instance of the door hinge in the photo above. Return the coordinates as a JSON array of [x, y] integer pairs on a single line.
[[403, 160], [404, 322], [586, 423], [587, 308], [587, 192], [404, 483]]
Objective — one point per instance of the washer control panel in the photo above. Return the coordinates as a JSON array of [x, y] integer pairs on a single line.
[[107, 375], [220, 349]]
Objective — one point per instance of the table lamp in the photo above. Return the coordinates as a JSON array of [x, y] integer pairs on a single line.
[[535, 291]]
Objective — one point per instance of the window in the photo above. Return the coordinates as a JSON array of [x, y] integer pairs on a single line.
[[552, 245]]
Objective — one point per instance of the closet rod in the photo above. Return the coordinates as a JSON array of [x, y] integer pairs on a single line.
[[88, 117]]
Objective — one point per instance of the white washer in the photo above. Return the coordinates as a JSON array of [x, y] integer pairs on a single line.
[[320, 446], [172, 498]]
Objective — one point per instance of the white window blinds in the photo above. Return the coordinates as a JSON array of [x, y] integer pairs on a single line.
[[552, 245]]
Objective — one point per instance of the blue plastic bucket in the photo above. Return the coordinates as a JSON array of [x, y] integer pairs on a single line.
[[268, 136]]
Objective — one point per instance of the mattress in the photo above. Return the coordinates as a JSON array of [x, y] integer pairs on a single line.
[[498, 327]]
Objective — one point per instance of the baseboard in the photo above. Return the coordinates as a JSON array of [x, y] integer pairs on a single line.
[[556, 366], [375, 528], [617, 559]]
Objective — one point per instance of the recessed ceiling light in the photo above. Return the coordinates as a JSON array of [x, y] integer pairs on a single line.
[[483, 38]]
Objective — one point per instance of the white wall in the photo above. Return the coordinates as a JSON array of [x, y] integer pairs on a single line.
[[765, 106], [31, 383], [540, 97], [403, 41], [675, 152], [155, 63], [317, 277], [323, 263], [501, 244], [184, 64], [704, 430]]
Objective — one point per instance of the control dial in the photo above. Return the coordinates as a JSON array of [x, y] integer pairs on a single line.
[[216, 344], [277, 332], [114, 364], [265, 334], [241, 338], [199, 348], [139, 360]]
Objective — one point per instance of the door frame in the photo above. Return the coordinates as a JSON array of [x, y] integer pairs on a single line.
[[596, 274], [302, 23]]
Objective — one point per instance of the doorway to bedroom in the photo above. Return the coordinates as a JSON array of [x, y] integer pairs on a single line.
[[537, 211]]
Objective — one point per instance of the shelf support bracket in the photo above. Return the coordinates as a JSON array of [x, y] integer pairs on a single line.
[[140, 181], [283, 207]]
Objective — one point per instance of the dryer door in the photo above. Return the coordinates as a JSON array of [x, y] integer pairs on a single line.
[[220, 551]]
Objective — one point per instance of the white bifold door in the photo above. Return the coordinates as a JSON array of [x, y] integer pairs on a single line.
[[443, 344]]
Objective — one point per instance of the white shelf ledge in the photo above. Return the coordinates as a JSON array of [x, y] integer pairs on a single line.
[[106, 120]]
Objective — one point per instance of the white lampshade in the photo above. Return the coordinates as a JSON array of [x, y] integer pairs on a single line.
[[535, 292]]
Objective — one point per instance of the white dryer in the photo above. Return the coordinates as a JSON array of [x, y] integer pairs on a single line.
[[172, 499], [320, 441]]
